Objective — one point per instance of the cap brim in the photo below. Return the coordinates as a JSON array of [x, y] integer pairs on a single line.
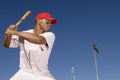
[[53, 21]]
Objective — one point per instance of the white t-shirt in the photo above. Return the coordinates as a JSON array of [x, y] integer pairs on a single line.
[[34, 57]]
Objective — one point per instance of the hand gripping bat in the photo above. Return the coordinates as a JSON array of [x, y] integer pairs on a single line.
[[6, 42]]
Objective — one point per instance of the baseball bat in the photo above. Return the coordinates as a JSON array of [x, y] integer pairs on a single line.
[[23, 18]]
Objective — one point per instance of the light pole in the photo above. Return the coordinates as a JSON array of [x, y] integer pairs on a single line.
[[73, 70], [96, 51]]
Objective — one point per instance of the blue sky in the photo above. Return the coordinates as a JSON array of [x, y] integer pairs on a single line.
[[80, 24]]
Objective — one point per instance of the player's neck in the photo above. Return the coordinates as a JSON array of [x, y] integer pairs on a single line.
[[38, 30]]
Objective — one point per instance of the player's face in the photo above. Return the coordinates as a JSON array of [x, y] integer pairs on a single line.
[[45, 24]]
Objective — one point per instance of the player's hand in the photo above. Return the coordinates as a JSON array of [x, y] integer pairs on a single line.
[[11, 30]]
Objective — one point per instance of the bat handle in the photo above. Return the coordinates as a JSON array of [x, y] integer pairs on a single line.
[[18, 23]]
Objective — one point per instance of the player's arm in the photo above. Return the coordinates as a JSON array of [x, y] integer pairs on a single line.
[[8, 34], [7, 40], [34, 38]]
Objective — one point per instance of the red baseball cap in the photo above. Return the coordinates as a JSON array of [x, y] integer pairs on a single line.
[[46, 15]]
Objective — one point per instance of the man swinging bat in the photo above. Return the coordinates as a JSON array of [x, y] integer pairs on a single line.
[[35, 47]]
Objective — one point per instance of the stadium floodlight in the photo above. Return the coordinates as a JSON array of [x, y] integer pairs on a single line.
[[96, 51], [73, 70]]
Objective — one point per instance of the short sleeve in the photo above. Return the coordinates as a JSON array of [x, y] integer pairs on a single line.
[[14, 41], [50, 38]]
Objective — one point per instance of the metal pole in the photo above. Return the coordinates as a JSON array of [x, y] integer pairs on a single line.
[[96, 65], [73, 70], [74, 76]]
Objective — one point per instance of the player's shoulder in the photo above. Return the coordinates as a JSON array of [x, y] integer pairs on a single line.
[[49, 33], [29, 30]]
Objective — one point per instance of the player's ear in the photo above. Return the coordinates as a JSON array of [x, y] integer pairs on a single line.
[[40, 20]]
